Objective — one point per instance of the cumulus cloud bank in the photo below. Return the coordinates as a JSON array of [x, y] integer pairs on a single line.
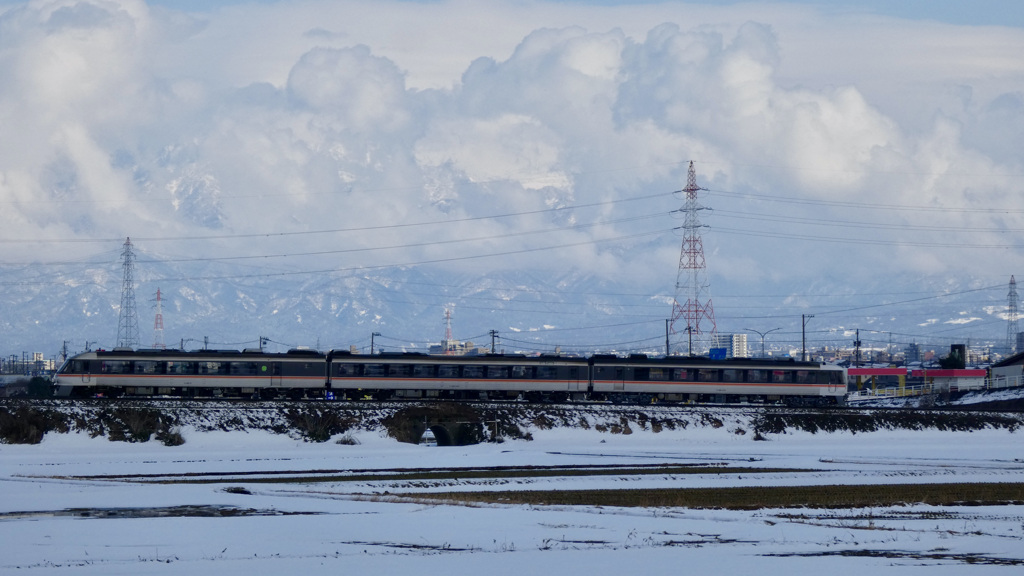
[[417, 136]]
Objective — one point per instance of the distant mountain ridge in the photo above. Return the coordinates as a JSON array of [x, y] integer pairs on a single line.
[[232, 308]]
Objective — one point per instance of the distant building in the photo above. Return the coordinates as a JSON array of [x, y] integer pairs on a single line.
[[735, 344], [913, 353], [456, 348]]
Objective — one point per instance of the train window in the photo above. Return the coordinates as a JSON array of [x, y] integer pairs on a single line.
[[782, 376], [804, 377], [423, 370], [472, 371], [546, 372], [80, 366], [116, 367], [500, 372], [301, 369], [757, 375], [659, 374], [447, 371], [181, 367], [731, 375], [375, 369], [343, 370], [641, 373], [682, 374], [399, 369], [213, 367], [522, 371], [145, 367], [708, 375], [243, 369]]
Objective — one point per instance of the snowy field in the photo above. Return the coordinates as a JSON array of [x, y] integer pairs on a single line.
[[52, 521]]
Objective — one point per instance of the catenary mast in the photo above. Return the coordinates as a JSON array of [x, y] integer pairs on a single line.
[[693, 315]]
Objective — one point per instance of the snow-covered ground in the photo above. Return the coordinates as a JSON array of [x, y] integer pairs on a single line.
[[53, 524]]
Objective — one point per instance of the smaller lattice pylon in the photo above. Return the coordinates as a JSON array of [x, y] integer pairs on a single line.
[[1011, 318], [158, 324], [449, 343]]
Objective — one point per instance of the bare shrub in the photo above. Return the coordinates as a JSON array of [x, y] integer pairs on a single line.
[[543, 422], [28, 425], [318, 424], [170, 436], [347, 440], [133, 424]]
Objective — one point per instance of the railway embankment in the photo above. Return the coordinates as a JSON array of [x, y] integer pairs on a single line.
[[171, 422]]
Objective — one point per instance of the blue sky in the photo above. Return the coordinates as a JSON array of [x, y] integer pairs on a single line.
[[973, 12], [970, 12]]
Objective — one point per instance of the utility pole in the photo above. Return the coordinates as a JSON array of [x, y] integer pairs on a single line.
[[494, 335], [856, 346], [372, 336], [668, 350], [803, 335]]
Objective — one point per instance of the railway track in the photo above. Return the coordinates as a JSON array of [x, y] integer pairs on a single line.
[[375, 405]]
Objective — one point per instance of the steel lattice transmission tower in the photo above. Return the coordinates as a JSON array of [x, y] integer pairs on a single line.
[[449, 341], [1011, 318], [692, 312], [128, 321], [158, 324]]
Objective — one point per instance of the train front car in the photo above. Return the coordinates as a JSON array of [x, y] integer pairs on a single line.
[[471, 377], [683, 379], [203, 373]]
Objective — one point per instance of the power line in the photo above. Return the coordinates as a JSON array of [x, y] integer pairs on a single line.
[[555, 209], [415, 245]]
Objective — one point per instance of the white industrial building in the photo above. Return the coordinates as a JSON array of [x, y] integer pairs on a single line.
[[735, 344]]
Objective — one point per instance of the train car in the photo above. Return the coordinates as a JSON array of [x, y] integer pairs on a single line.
[[205, 373], [342, 375], [481, 377], [642, 379]]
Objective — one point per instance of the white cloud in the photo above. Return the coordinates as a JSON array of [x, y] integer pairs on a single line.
[[318, 115]]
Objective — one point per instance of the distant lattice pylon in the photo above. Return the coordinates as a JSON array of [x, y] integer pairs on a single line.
[[158, 324], [128, 320], [693, 315], [449, 341], [1011, 318]]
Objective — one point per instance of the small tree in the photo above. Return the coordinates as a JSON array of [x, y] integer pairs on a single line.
[[40, 387]]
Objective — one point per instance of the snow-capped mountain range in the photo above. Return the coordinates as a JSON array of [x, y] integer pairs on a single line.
[[211, 304]]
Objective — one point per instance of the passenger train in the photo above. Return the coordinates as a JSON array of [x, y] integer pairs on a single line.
[[341, 375]]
